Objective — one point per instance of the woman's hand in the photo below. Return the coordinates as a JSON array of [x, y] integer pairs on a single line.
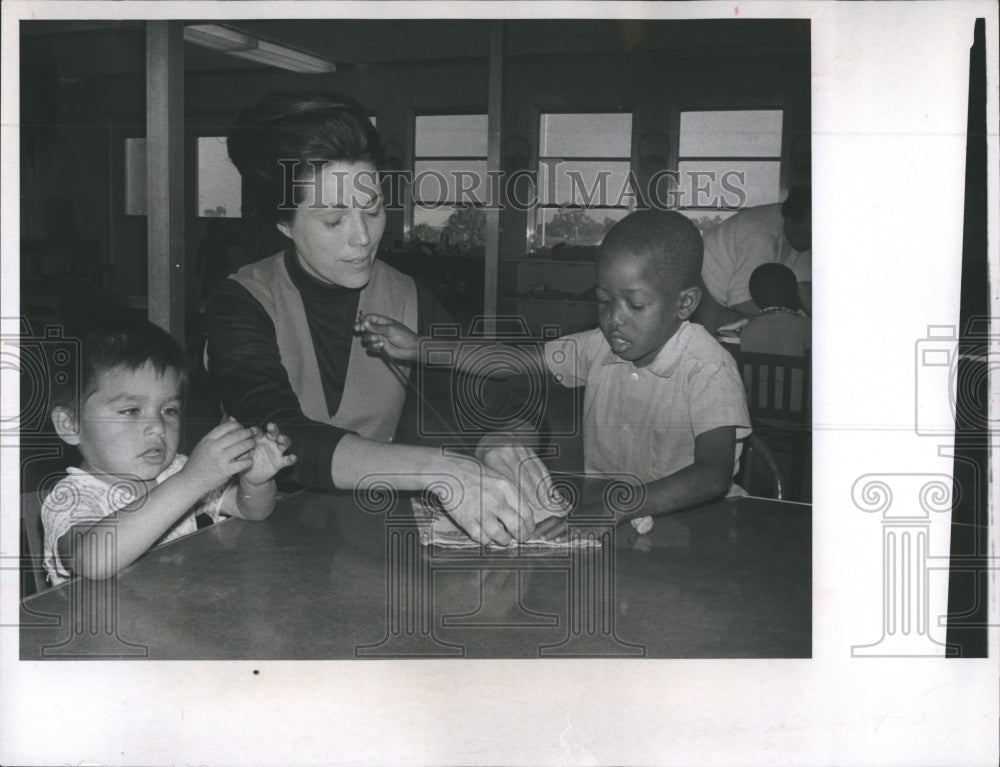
[[383, 334], [224, 451], [525, 469], [485, 504], [268, 455]]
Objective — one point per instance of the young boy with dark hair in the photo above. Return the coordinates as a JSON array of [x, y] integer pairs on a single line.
[[664, 401], [123, 413], [781, 327]]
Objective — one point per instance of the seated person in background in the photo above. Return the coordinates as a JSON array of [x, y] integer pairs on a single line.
[[779, 233], [781, 327], [126, 425], [664, 401]]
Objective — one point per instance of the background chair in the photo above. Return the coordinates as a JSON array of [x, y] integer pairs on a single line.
[[759, 470], [779, 397], [778, 388], [32, 552]]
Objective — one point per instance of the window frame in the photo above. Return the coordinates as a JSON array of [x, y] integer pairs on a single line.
[[411, 159], [198, 214], [731, 105], [535, 214]]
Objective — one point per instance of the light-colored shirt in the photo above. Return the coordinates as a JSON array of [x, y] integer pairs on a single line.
[[743, 242], [644, 421], [81, 497], [776, 331]]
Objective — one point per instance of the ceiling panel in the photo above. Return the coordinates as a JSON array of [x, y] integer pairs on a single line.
[[73, 49]]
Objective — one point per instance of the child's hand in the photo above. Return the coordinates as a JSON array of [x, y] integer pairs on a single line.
[[224, 451], [552, 529], [525, 469], [268, 456], [386, 335]]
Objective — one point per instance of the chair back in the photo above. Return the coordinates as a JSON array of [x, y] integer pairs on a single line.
[[778, 388], [757, 454], [33, 536]]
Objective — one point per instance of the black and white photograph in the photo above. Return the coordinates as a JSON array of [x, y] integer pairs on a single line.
[[450, 382]]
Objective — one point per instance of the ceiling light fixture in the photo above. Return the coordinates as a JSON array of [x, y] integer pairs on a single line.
[[228, 40]]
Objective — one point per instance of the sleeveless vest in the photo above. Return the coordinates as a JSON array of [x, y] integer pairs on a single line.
[[373, 395]]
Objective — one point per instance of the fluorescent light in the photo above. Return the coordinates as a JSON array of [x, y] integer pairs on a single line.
[[286, 58], [236, 43], [218, 38]]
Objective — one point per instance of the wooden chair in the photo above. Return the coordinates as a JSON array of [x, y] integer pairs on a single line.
[[32, 539], [756, 453], [778, 388], [779, 398]]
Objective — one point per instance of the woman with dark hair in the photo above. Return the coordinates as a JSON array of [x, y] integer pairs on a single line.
[[282, 347]]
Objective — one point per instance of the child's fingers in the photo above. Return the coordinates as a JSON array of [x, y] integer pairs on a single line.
[[242, 464], [239, 448], [371, 320], [551, 529], [371, 336], [223, 433], [233, 436]]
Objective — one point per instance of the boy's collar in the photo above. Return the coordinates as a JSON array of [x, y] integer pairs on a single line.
[[666, 361]]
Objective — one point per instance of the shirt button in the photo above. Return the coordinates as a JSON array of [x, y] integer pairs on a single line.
[[634, 376]]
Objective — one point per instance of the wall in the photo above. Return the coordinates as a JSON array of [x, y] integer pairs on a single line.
[[78, 167]]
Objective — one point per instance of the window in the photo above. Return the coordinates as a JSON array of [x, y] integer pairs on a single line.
[[727, 160], [585, 183], [219, 185], [219, 189], [449, 181]]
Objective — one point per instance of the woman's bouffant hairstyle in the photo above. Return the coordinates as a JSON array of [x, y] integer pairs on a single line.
[[295, 126]]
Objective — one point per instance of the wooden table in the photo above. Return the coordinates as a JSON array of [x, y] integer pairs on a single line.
[[325, 578]]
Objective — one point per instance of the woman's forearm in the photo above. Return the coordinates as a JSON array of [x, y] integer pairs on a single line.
[[359, 462]]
